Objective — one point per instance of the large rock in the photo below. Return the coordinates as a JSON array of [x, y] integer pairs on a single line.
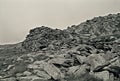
[[73, 69], [30, 78], [61, 61], [27, 73], [42, 74], [37, 65], [116, 63], [78, 71], [109, 55], [82, 70], [95, 60], [50, 69], [18, 68], [81, 59], [53, 71], [105, 75], [8, 79]]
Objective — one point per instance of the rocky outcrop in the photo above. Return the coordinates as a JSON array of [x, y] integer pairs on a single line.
[[42, 37], [88, 51]]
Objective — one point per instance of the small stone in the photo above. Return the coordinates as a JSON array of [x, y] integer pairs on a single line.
[[27, 73]]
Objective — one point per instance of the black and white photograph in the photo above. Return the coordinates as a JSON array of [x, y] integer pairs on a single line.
[[59, 40]]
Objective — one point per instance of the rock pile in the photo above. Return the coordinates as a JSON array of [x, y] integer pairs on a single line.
[[41, 37], [90, 48]]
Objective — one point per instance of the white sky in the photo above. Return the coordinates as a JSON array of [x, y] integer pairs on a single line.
[[17, 17]]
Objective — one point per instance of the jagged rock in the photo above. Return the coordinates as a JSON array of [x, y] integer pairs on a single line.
[[27, 73], [82, 70], [105, 75], [8, 79], [16, 70], [109, 55], [85, 49], [94, 60], [73, 69], [9, 67], [102, 66], [42, 74], [78, 71], [50, 69], [37, 65], [62, 61], [109, 25], [116, 63], [81, 59], [53, 71], [29, 78], [115, 70]]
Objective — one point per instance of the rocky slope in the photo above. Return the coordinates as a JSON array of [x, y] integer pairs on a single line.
[[89, 51]]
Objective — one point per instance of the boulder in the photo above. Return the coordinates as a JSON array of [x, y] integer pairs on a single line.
[[8, 79], [33, 66], [95, 60], [102, 75], [82, 70], [78, 71], [73, 69], [81, 59], [85, 50], [50, 69], [17, 69], [53, 71], [61, 61], [105, 65], [27, 73], [116, 63], [42, 74], [37, 65], [109, 55], [9, 68]]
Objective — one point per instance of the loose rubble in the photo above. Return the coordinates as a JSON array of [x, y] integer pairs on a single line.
[[90, 49]]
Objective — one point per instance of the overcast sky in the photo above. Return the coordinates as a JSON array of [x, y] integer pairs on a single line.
[[17, 17]]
